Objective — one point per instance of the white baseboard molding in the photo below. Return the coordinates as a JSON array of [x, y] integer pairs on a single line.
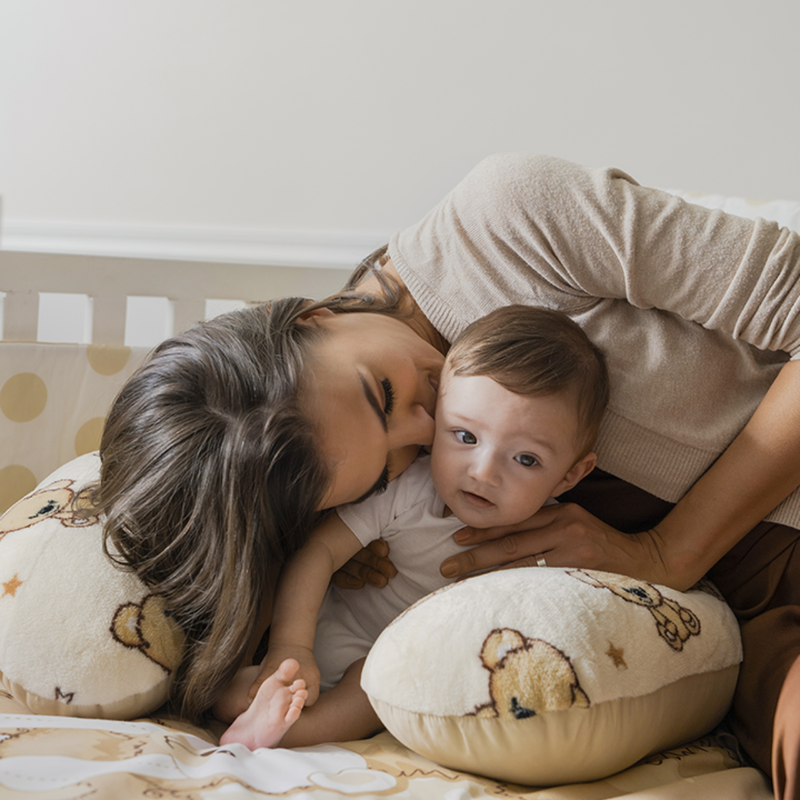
[[231, 245]]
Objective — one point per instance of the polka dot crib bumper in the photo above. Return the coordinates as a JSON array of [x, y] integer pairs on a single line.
[[53, 400]]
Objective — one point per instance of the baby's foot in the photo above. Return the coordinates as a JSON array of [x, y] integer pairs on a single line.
[[275, 708]]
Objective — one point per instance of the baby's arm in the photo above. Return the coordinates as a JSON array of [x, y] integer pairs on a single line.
[[300, 592]]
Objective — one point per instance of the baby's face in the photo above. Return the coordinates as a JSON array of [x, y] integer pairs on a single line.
[[498, 456]]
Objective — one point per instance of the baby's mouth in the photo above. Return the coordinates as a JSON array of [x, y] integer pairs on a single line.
[[476, 500]]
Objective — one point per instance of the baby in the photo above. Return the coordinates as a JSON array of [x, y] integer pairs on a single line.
[[521, 396]]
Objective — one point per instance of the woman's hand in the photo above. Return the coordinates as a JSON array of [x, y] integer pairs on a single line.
[[369, 566], [566, 535]]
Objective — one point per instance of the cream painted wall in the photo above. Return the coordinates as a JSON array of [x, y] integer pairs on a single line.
[[319, 126]]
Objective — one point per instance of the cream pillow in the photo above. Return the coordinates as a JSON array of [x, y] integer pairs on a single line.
[[552, 676], [78, 636]]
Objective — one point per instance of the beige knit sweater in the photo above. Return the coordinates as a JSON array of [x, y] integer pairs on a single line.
[[695, 310]]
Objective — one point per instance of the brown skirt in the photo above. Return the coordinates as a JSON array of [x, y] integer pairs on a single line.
[[760, 578]]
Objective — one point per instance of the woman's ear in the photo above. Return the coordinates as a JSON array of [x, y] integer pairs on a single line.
[[576, 474]]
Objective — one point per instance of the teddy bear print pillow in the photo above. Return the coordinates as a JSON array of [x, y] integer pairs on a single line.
[[78, 635], [552, 676]]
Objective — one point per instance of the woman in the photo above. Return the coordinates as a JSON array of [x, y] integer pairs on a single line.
[[697, 313]]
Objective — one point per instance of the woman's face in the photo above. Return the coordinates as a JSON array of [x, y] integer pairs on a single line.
[[372, 393]]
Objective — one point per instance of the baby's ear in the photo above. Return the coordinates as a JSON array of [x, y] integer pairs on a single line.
[[576, 473], [310, 316]]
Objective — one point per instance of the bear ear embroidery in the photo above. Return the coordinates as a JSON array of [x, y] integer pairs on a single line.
[[150, 628], [527, 677], [498, 644], [78, 514]]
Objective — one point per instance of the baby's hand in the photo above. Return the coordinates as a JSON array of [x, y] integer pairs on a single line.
[[308, 671]]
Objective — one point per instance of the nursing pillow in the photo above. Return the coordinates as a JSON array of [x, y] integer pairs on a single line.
[[78, 635], [551, 676]]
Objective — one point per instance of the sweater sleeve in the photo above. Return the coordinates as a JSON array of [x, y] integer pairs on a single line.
[[536, 229]]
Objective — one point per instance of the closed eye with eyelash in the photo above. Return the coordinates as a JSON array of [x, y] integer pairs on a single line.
[[388, 393]]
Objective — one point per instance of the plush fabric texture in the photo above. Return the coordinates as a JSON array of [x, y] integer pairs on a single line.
[[547, 676], [78, 636]]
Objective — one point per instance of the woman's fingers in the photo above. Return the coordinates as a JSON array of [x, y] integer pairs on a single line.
[[516, 545], [369, 566], [510, 549], [473, 536], [566, 536]]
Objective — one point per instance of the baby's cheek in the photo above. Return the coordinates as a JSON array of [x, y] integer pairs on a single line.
[[524, 504]]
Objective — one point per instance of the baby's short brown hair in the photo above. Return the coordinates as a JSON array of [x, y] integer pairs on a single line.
[[536, 352]]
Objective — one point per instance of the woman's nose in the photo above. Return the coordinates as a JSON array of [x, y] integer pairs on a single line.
[[413, 427]]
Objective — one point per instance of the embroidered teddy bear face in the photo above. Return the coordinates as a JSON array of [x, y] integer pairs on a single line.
[[57, 500], [527, 677]]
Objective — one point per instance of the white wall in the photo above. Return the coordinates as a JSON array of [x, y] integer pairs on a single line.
[[305, 131]]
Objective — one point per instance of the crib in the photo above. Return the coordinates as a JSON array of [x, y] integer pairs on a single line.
[[90, 320], [53, 397]]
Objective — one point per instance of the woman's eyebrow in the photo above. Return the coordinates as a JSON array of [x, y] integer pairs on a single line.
[[373, 400]]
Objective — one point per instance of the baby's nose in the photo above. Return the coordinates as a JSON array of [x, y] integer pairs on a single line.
[[483, 468]]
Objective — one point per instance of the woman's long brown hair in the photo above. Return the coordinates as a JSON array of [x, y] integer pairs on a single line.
[[211, 475]]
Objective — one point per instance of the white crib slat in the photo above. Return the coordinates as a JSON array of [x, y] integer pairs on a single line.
[[21, 316], [108, 319], [186, 313], [186, 284]]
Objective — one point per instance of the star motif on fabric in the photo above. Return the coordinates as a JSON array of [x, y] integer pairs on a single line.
[[616, 654], [10, 587]]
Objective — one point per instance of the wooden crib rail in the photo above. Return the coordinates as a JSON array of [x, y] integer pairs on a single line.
[[110, 281]]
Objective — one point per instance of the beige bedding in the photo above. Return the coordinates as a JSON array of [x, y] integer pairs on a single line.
[[56, 758]]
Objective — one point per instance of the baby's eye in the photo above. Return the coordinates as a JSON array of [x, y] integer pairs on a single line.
[[526, 460], [465, 437]]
